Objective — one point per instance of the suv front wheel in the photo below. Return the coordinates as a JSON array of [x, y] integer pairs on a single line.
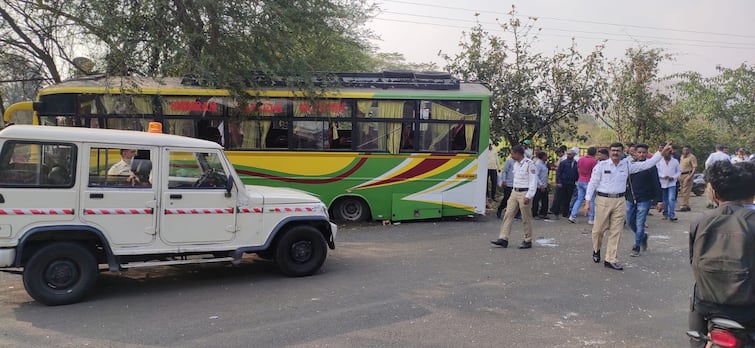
[[301, 251], [60, 273]]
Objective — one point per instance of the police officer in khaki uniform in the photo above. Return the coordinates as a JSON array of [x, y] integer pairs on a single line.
[[524, 189], [688, 165]]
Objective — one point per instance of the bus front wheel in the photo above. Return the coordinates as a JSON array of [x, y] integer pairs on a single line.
[[351, 209]]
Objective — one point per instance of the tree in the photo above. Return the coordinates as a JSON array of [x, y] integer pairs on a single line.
[[34, 37], [533, 95], [225, 42], [633, 103], [396, 61], [21, 79], [222, 43], [718, 109]]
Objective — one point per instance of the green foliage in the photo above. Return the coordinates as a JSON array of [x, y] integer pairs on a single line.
[[534, 95], [718, 109], [396, 61], [223, 43], [633, 104]]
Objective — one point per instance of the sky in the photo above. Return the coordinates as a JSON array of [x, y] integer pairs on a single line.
[[700, 34]]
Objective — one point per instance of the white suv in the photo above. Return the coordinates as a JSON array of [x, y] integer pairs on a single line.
[[73, 199]]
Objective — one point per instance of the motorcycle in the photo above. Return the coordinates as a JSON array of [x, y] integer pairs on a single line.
[[698, 184], [725, 333]]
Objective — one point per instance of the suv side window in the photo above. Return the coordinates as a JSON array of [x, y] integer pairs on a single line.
[[120, 167], [31, 164], [196, 170]]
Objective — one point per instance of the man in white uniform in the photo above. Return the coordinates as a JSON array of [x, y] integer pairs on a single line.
[[609, 183], [524, 188], [123, 167]]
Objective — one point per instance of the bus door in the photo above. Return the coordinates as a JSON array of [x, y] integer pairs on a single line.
[[195, 207]]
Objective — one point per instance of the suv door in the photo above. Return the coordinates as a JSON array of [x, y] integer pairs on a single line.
[[195, 207], [119, 196], [37, 185]]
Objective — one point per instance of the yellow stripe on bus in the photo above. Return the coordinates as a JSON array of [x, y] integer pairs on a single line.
[[311, 164], [194, 92]]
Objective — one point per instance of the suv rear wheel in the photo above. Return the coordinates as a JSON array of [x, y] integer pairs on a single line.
[[301, 251], [60, 273]]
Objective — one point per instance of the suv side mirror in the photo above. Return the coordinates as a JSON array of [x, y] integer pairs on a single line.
[[228, 186]]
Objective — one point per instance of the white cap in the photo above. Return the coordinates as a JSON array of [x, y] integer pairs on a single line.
[[574, 150]]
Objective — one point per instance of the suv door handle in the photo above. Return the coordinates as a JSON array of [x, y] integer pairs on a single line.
[[96, 195], [176, 196]]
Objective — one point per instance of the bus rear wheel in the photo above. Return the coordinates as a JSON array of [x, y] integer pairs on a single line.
[[351, 209]]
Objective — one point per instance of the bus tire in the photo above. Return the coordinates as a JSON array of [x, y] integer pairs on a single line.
[[60, 273], [352, 209], [301, 251]]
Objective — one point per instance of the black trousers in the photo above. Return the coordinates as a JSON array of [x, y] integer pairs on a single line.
[[493, 180], [504, 200], [540, 203], [554, 205], [564, 198]]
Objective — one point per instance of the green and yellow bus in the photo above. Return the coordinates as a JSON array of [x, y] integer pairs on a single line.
[[383, 146]]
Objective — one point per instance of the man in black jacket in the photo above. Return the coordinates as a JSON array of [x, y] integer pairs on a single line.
[[731, 184], [566, 182], [643, 190]]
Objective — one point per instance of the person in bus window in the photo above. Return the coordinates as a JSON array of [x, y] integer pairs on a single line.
[[208, 132], [235, 135]]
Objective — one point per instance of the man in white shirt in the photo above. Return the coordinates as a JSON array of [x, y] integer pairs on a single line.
[[739, 156], [718, 155], [668, 173], [609, 183], [123, 167], [523, 190], [494, 169]]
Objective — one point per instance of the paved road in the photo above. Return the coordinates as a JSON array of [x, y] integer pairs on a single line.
[[419, 284]]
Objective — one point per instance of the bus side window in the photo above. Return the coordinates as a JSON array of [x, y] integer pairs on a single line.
[[458, 139], [277, 138], [407, 137], [207, 132], [341, 136]]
